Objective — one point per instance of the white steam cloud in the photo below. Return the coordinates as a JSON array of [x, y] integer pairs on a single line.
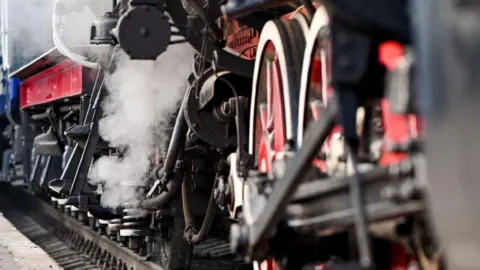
[[30, 23], [142, 97], [76, 25]]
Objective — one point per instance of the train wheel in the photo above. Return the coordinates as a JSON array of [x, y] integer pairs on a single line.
[[302, 20], [273, 117], [171, 250], [315, 90]]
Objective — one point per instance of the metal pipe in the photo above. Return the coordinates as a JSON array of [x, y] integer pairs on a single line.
[[206, 19], [225, 59], [191, 236], [4, 32], [173, 187], [40, 116], [175, 152], [6, 61], [68, 109], [176, 142], [60, 45]]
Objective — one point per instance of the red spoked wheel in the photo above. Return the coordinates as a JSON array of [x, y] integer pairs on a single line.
[[315, 93], [315, 90], [273, 116], [274, 107]]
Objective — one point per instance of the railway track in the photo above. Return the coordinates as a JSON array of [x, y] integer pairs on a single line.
[[74, 245], [57, 249]]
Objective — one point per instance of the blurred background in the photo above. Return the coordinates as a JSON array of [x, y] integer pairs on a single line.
[[30, 23]]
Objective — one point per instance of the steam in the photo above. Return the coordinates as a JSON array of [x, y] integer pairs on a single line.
[[143, 95], [30, 23], [30, 29], [76, 25]]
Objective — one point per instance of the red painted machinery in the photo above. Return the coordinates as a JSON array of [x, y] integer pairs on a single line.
[[53, 93], [52, 79], [298, 140]]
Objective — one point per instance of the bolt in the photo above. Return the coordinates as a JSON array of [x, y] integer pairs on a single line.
[[143, 32]]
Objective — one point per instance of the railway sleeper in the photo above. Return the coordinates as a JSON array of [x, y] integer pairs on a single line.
[[109, 245]]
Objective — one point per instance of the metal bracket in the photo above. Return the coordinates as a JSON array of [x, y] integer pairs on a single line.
[[87, 155], [291, 179], [80, 160]]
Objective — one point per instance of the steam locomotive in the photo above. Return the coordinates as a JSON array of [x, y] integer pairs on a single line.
[[299, 139]]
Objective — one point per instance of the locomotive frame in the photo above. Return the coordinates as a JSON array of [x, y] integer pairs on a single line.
[[333, 184]]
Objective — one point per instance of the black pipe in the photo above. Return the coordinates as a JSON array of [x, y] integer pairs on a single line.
[[177, 141], [206, 19], [225, 60], [190, 234], [173, 186], [175, 152]]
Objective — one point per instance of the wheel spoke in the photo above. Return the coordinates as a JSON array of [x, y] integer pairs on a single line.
[[274, 96], [270, 95], [278, 132], [315, 88]]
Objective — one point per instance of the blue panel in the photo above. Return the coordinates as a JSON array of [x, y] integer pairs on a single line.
[[3, 107], [13, 86]]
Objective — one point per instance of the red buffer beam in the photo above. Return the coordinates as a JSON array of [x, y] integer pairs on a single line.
[[60, 81]]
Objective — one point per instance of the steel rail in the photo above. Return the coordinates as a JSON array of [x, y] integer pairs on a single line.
[[43, 212]]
